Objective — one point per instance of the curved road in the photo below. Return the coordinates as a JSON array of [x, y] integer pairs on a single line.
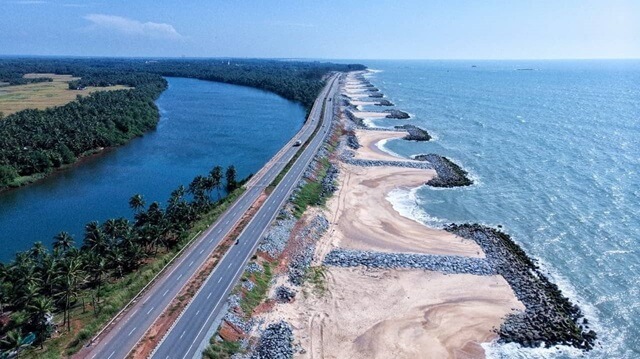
[[127, 330]]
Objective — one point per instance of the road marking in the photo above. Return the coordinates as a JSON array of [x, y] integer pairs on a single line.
[[220, 230], [190, 264], [111, 354], [209, 295], [229, 265], [150, 310], [131, 332], [202, 250], [180, 276], [165, 293], [198, 312], [182, 335], [219, 279]]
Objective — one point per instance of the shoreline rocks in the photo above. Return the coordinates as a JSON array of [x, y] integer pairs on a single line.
[[415, 133], [376, 95], [397, 114], [445, 264], [276, 342], [449, 173], [348, 158], [550, 318]]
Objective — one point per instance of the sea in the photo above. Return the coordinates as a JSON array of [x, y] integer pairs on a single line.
[[554, 150]]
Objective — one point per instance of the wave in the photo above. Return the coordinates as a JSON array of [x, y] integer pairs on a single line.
[[405, 202], [381, 145]]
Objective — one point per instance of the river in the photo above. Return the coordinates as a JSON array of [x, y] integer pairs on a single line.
[[202, 124]]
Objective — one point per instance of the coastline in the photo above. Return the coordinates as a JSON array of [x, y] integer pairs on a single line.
[[375, 281]]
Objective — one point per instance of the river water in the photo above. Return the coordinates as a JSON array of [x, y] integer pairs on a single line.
[[202, 124], [555, 154]]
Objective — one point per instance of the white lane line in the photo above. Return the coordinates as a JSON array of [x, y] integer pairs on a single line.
[[165, 293], [220, 230], [131, 332], [209, 295], [219, 279], [190, 264], [198, 312], [182, 335], [229, 266], [111, 354], [150, 310], [202, 250], [180, 276]]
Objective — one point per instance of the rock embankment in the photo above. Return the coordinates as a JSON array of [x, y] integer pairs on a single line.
[[352, 140], [449, 173], [285, 294], [376, 95], [384, 103], [445, 264], [401, 115], [304, 245], [550, 318], [276, 342], [415, 133], [348, 157]]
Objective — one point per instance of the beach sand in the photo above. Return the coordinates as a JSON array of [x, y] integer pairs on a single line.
[[369, 141], [397, 314]]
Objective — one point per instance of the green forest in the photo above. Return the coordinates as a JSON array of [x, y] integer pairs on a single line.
[[36, 142]]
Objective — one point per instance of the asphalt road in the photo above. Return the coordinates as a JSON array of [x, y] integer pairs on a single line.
[[190, 330], [126, 331]]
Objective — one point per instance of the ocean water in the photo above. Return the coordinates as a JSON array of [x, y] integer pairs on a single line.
[[202, 124], [555, 155]]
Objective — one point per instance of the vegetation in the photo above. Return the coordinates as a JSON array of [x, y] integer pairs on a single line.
[[220, 349], [252, 298], [311, 193], [34, 142], [43, 291]]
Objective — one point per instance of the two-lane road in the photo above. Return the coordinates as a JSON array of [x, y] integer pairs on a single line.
[[189, 335], [123, 335]]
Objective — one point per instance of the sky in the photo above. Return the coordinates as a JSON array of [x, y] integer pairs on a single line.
[[323, 29]]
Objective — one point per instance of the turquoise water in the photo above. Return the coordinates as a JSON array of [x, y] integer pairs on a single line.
[[555, 153], [202, 124]]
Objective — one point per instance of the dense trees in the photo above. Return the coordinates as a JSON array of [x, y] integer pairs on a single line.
[[36, 141], [39, 286]]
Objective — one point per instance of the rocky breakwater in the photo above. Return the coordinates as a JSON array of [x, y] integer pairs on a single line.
[[415, 133], [449, 174], [347, 157], [276, 342], [384, 103], [376, 95], [550, 318], [400, 115], [444, 264]]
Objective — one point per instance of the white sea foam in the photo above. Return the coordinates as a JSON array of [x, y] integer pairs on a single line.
[[405, 202], [381, 145]]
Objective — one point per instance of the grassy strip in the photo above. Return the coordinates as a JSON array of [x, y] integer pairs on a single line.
[[311, 193], [220, 349], [115, 295], [252, 298]]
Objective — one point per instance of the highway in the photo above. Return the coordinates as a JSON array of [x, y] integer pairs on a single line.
[[129, 328], [191, 329]]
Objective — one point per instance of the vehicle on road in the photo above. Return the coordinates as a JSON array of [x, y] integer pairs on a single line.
[[297, 143]]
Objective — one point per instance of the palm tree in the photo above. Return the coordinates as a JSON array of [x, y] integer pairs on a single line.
[[136, 202], [40, 317], [37, 250], [94, 238], [71, 275], [62, 241], [216, 178], [231, 178], [13, 341], [96, 268]]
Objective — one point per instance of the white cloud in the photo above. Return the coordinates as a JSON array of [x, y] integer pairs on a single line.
[[133, 27]]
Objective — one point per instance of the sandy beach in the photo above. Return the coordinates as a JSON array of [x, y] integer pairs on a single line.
[[370, 142], [398, 314]]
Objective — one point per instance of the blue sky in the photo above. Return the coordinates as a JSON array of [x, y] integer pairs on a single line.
[[346, 29]]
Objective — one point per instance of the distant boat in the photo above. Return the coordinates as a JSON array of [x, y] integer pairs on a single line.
[[474, 66], [525, 69]]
